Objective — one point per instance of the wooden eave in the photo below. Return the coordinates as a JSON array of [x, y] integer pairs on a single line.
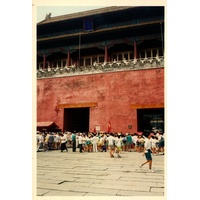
[[99, 31]]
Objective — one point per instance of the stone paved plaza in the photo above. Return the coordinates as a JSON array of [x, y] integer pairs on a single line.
[[96, 174]]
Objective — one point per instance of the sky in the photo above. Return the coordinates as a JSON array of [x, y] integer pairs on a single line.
[[63, 7], [61, 10]]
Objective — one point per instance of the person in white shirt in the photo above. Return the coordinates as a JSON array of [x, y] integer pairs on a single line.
[[58, 141], [63, 143], [147, 152], [40, 141], [111, 144], [69, 139], [134, 138], [118, 143], [161, 143], [95, 141], [37, 140], [77, 144], [80, 142], [100, 144], [153, 142], [65, 136]]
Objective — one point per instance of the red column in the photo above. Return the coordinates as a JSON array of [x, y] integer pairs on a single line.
[[68, 58], [106, 54], [135, 50], [44, 61]]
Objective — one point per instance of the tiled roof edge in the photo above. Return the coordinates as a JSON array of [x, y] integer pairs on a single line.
[[83, 14]]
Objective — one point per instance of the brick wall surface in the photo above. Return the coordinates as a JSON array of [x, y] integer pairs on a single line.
[[114, 92]]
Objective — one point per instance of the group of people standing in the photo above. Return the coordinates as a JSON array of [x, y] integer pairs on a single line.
[[98, 142], [153, 143]]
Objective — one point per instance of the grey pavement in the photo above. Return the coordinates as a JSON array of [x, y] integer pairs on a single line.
[[96, 174]]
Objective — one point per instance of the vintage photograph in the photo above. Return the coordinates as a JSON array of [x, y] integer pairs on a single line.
[[100, 101]]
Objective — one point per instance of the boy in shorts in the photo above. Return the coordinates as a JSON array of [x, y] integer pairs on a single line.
[[147, 153]]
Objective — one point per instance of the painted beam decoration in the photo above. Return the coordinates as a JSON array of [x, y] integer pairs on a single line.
[[155, 105], [78, 105]]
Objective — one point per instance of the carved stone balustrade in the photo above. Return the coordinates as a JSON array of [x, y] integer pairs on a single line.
[[124, 65]]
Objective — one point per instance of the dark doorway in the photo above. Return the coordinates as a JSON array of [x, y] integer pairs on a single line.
[[76, 119], [150, 118]]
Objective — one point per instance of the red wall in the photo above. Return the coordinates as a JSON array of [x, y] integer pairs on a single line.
[[114, 92]]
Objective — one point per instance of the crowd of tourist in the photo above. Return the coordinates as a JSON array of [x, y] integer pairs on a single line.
[[99, 142]]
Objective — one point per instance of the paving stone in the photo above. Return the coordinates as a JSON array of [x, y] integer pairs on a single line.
[[47, 181], [136, 193], [112, 177], [85, 176], [76, 184], [157, 175], [63, 193], [88, 180], [61, 178], [121, 187], [157, 189], [96, 191], [41, 192], [49, 186], [140, 179], [49, 175], [143, 174], [96, 174], [96, 194], [160, 185], [130, 183]]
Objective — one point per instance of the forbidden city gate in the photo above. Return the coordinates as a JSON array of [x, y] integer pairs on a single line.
[[76, 119], [77, 116], [150, 118]]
